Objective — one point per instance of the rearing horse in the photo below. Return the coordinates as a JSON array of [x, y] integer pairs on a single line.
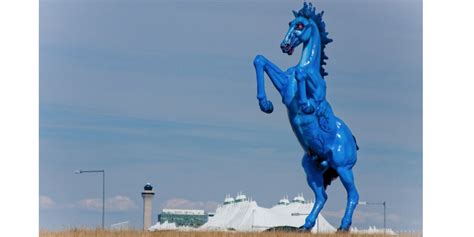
[[330, 149]]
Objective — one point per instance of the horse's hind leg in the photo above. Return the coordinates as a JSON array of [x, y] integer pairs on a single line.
[[314, 177], [347, 179]]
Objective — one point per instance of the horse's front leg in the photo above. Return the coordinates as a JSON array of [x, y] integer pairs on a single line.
[[301, 77], [276, 75], [314, 177]]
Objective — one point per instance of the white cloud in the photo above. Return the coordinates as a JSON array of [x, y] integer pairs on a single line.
[[118, 203], [181, 203], [46, 202], [90, 203]]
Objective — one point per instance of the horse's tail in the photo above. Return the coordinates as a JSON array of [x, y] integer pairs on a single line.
[[328, 176], [357, 147]]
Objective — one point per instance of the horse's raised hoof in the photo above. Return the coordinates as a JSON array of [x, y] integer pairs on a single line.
[[342, 231], [266, 106]]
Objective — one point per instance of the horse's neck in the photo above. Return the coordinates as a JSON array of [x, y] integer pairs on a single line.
[[311, 51]]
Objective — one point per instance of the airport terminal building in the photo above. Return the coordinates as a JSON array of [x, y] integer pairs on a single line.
[[181, 217]]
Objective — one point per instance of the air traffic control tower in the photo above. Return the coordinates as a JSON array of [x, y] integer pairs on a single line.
[[147, 195]]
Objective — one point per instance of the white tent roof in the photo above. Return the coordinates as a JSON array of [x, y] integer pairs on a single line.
[[248, 216]]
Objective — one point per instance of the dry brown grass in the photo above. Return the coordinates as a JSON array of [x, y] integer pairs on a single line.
[[137, 233]]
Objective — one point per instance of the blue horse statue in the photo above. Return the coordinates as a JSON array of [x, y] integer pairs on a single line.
[[330, 149]]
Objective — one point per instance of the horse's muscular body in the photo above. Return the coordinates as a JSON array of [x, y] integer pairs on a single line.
[[329, 147]]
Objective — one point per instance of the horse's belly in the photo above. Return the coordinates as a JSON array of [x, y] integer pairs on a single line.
[[309, 133]]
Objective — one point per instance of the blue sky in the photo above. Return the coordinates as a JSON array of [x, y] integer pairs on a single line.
[[164, 92]]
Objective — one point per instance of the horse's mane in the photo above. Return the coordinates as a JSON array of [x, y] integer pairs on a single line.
[[309, 12]]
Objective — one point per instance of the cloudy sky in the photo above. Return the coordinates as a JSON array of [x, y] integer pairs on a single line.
[[164, 92]]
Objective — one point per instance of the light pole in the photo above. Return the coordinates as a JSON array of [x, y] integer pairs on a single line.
[[384, 203], [103, 189]]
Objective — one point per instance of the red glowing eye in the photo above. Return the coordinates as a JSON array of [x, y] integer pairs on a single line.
[[299, 26]]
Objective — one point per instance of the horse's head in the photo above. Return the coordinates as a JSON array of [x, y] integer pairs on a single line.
[[300, 29]]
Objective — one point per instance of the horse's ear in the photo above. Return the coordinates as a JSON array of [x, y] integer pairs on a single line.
[[295, 13]]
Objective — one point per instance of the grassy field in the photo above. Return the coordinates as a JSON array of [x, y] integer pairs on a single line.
[[136, 233]]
